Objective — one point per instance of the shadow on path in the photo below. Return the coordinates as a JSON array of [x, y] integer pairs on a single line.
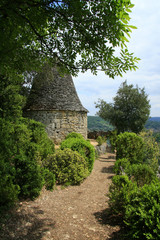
[[107, 169], [105, 217], [22, 226]]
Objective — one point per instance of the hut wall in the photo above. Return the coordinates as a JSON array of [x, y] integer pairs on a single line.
[[59, 122]]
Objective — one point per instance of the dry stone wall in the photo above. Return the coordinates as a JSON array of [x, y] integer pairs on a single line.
[[59, 123]]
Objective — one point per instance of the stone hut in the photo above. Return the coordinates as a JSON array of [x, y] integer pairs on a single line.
[[54, 102]]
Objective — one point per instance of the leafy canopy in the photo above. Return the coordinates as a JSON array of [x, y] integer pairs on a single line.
[[129, 111], [78, 34]]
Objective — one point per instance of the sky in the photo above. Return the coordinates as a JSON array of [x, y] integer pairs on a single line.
[[145, 44]]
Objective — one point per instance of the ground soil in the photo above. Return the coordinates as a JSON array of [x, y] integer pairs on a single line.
[[71, 213]]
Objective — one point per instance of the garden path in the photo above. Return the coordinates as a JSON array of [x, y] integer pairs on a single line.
[[71, 213]]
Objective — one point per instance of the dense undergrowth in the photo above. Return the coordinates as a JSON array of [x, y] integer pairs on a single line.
[[28, 161], [135, 190], [24, 145]]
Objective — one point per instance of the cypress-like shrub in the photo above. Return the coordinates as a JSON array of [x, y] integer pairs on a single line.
[[28, 176], [83, 147], [68, 166], [112, 138], [49, 179], [23, 145], [8, 189]]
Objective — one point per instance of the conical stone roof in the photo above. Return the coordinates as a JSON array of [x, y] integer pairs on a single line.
[[52, 90]]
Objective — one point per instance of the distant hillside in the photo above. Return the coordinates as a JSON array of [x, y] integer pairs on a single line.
[[155, 119], [98, 124], [153, 123]]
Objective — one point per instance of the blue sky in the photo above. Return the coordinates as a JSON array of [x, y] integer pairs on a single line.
[[145, 43]]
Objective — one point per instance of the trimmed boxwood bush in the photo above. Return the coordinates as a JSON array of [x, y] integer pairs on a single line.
[[136, 194], [68, 166], [151, 150], [120, 166], [141, 174], [120, 193], [83, 147], [130, 146], [74, 135], [142, 215]]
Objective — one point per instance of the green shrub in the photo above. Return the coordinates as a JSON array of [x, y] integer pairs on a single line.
[[28, 176], [112, 138], [49, 179], [120, 193], [83, 147], [151, 150], [8, 189], [141, 174], [23, 146], [136, 194], [101, 140], [68, 166], [120, 166], [142, 215], [74, 135], [39, 137], [130, 146]]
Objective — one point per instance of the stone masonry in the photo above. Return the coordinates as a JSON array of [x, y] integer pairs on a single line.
[[54, 102]]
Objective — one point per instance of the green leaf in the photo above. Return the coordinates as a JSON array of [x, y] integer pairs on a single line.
[[131, 26], [131, 5], [128, 10]]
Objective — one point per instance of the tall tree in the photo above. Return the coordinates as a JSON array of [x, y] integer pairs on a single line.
[[129, 111], [81, 34]]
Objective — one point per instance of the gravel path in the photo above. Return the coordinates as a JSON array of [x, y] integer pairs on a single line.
[[72, 213]]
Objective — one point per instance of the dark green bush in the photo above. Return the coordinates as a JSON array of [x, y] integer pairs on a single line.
[[39, 138], [68, 166], [120, 166], [83, 147], [136, 194], [28, 176], [49, 179], [23, 146], [8, 189], [74, 135], [112, 138], [120, 193], [151, 150], [100, 140], [130, 146], [142, 215], [141, 174]]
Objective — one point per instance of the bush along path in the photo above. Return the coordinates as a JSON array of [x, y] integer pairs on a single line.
[[75, 212]]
